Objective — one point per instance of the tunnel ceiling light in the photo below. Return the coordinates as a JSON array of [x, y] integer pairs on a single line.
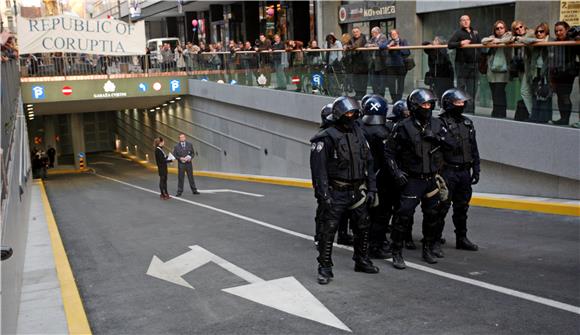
[[177, 98], [171, 101], [30, 108], [158, 108], [164, 105], [152, 110], [29, 105]]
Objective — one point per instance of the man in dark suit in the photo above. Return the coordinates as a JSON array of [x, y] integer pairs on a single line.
[[184, 153]]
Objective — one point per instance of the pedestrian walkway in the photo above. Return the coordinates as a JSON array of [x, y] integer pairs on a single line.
[[41, 306], [47, 277]]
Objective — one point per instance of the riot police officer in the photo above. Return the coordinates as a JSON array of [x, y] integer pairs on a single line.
[[344, 237], [414, 155], [398, 113], [461, 167], [376, 132], [341, 166]]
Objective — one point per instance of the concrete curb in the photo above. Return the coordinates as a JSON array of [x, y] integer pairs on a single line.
[[547, 207]]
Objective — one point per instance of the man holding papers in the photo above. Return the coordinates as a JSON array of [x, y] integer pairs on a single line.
[[184, 153]]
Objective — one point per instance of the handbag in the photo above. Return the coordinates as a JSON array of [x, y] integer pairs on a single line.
[[542, 90], [409, 63], [498, 62]]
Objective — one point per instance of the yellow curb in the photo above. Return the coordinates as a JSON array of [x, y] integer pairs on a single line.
[[527, 205], [480, 201], [68, 171], [73, 306]]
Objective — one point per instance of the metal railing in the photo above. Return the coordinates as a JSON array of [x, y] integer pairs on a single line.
[[331, 72]]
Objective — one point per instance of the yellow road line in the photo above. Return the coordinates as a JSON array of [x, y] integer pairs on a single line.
[[480, 201], [73, 306]]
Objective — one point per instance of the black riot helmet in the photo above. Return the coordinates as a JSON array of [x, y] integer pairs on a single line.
[[343, 105], [399, 111], [416, 102], [364, 100], [453, 101], [375, 110], [326, 116]]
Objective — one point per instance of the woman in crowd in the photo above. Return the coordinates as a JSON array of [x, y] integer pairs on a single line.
[[563, 70], [179, 58], [536, 74], [161, 159], [335, 70], [518, 64], [498, 66]]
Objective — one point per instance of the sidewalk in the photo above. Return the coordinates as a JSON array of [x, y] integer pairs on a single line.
[[41, 306], [47, 277]]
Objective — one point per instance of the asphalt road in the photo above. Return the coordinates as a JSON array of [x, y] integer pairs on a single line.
[[526, 274]]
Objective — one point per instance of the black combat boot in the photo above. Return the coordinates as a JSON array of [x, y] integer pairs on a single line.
[[428, 254], [379, 252], [409, 243], [325, 261], [436, 249], [463, 243], [388, 248], [398, 261], [324, 275], [362, 262]]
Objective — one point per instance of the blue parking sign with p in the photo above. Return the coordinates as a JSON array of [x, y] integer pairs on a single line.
[[316, 79], [38, 92], [175, 86]]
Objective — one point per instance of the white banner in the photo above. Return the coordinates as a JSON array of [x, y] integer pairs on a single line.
[[77, 35]]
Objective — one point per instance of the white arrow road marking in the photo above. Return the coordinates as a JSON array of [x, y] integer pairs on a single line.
[[231, 191], [284, 294], [288, 295], [477, 283]]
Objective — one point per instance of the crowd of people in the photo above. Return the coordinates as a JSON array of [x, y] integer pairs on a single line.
[[42, 161], [371, 168]]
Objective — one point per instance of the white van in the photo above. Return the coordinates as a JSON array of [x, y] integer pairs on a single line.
[[154, 44]]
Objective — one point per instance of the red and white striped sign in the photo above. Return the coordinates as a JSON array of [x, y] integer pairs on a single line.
[[67, 90], [295, 80]]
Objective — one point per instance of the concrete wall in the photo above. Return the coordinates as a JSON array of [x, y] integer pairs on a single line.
[[519, 158], [14, 224]]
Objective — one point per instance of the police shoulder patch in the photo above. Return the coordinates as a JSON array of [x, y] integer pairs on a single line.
[[319, 146]]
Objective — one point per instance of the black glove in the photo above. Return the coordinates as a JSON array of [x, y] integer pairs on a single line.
[[371, 197], [429, 136], [474, 178], [401, 178]]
